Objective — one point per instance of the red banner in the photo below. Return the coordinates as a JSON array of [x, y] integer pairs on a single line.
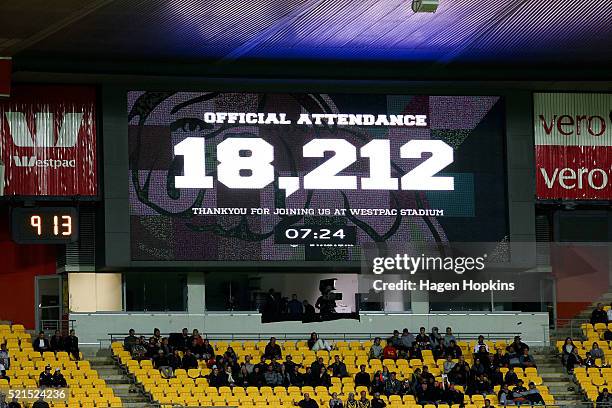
[[573, 142], [48, 141], [5, 76]]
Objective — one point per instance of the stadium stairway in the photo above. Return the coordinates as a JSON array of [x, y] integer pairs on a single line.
[[558, 382], [121, 384]]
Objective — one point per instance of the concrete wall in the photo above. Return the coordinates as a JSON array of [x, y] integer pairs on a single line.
[[91, 292], [95, 327]]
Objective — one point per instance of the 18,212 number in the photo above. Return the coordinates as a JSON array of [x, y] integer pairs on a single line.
[[257, 162]]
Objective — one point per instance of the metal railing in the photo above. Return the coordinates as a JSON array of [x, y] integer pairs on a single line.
[[63, 325], [572, 325]]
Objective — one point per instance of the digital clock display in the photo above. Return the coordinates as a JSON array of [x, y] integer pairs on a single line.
[[316, 235], [44, 225]]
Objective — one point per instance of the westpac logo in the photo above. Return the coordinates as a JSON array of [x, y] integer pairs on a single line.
[[45, 129], [44, 136]]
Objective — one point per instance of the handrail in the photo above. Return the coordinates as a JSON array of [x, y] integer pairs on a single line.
[[63, 325], [574, 326]]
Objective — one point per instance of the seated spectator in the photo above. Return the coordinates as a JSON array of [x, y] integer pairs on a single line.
[[377, 402], [217, 378], [435, 337], [596, 352], [484, 357], [452, 395], [315, 343], [376, 351], [487, 403], [57, 342], [448, 365], [589, 361], [165, 346], [41, 343], [230, 377], [152, 347], [453, 350], [364, 402], [406, 387], [189, 360], [5, 358], [184, 342], [607, 335], [338, 368], [45, 379], [263, 366], [497, 378], [439, 349], [511, 378], [307, 402], [3, 375], [275, 365], [255, 379], [157, 335], [378, 382], [246, 368], [139, 350], [295, 307], [599, 315], [460, 373], [533, 394], [273, 350], [406, 343], [392, 386], [500, 359], [389, 351], [604, 398], [480, 386], [480, 343], [504, 396], [323, 379], [208, 352], [362, 378], [335, 402], [422, 341], [160, 362], [527, 359], [316, 366], [514, 359], [448, 337], [518, 345], [573, 360], [230, 354], [39, 403], [130, 340], [395, 339], [58, 379], [567, 350], [195, 335], [518, 394], [426, 375], [351, 402]]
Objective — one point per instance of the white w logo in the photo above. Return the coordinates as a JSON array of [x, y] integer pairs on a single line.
[[67, 137]]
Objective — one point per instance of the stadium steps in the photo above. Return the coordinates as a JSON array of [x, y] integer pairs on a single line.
[[559, 383], [122, 386]]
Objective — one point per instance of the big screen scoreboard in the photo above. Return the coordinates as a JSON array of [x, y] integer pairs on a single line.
[[310, 177]]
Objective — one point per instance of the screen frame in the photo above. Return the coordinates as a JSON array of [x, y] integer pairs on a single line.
[[115, 125]]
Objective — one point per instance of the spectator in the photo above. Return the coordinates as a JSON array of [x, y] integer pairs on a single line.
[[362, 378], [452, 395], [270, 306], [389, 352], [518, 345], [322, 379], [157, 335], [407, 342], [573, 360], [309, 312], [316, 367], [184, 342], [511, 378], [393, 386], [295, 307], [480, 343], [246, 368], [58, 380], [139, 351], [422, 340], [208, 352], [596, 352], [589, 361], [518, 394], [448, 337], [364, 402], [527, 359], [460, 373], [533, 394], [217, 378], [453, 350], [255, 379], [438, 350], [165, 346], [71, 345], [500, 359], [504, 396], [607, 335], [497, 378], [189, 360], [3, 375], [40, 403], [426, 375], [395, 339], [376, 351], [15, 404], [161, 363], [315, 343], [230, 376], [153, 347], [130, 341], [338, 368], [307, 402], [273, 350], [351, 402], [448, 365], [5, 358], [604, 399], [57, 343], [599, 315], [487, 403], [435, 337], [45, 379], [377, 402], [335, 402], [263, 366], [41, 343], [567, 350]]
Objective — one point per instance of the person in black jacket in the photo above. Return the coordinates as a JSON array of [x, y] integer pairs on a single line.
[[57, 342], [41, 403], [273, 350], [599, 315], [41, 343], [217, 378], [58, 379], [71, 345], [45, 379], [362, 378], [189, 360], [338, 368]]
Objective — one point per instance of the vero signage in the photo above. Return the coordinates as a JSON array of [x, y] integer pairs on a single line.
[[573, 143]]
